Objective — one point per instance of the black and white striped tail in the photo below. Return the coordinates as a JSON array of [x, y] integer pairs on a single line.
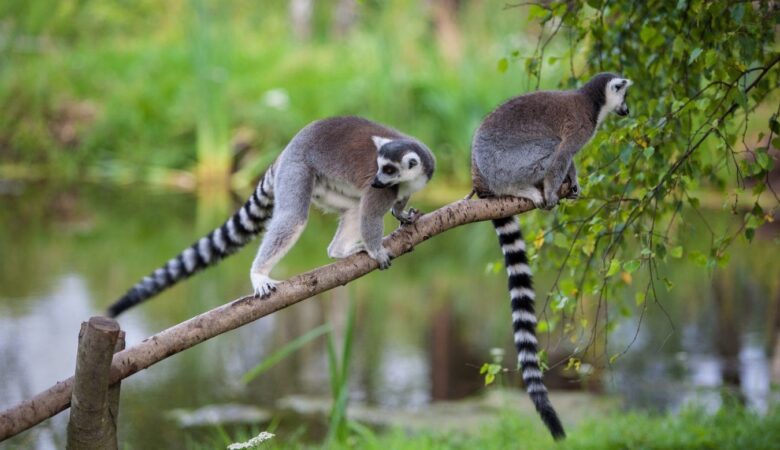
[[237, 231], [524, 320]]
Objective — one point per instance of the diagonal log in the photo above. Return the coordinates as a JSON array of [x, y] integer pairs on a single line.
[[242, 311]]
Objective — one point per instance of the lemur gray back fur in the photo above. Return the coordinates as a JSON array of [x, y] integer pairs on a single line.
[[525, 148], [334, 163]]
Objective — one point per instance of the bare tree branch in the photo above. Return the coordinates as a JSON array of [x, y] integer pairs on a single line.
[[248, 309]]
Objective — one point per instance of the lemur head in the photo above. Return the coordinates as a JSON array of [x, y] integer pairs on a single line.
[[607, 93], [401, 161]]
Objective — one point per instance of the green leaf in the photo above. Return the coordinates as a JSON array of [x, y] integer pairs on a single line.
[[750, 233], [639, 298], [660, 250], [678, 45], [631, 266], [503, 65], [537, 12], [649, 151], [647, 33], [764, 161], [774, 125], [676, 252], [710, 58], [738, 12], [694, 55], [614, 266], [698, 258]]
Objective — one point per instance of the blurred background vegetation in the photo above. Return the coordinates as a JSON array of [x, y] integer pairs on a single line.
[[159, 91], [124, 125]]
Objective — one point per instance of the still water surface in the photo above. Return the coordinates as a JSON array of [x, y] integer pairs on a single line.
[[423, 327]]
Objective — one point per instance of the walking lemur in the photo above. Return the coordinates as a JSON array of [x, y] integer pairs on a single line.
[[348, 165]]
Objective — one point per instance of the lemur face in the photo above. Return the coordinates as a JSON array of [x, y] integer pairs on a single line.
[[395, 162], [617, 88]]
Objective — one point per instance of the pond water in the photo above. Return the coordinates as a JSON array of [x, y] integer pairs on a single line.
[[423, 327]]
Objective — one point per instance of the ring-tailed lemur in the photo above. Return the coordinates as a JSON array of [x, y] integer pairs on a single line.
[[348, 165], [524, 149]]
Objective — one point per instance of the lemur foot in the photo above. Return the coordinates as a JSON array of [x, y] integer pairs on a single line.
[[550, 202], [574, 192], [382, 257], [263, 285], [409, 216]]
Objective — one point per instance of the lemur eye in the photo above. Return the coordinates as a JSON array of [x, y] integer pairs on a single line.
[[412, 163], [389, 170]]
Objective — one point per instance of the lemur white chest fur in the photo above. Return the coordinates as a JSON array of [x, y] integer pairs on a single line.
[[347, 165], [335, 196]]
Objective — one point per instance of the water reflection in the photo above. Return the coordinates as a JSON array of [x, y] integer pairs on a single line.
[[423, 327]]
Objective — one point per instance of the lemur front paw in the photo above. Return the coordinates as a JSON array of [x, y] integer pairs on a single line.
[[382, 256], [263, 285], [409, 216]]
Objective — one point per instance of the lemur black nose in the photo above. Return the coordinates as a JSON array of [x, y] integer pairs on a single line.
[[377, 184]]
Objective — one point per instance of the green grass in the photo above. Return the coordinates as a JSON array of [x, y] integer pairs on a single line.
[[692, 429]]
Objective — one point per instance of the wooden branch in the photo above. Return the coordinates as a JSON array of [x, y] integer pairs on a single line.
[[248, 309], [89, 427]]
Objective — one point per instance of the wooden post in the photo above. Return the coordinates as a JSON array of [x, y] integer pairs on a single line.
[[113, 395], [90, 427]]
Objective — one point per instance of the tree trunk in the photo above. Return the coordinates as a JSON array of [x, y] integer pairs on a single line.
[[344, 16], [445, 21], [301, 12]]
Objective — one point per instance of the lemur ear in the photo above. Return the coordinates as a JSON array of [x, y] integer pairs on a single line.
[[380, 141]]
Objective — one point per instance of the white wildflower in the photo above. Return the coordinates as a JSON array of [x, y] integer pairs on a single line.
[[276, 99], [254, 442]]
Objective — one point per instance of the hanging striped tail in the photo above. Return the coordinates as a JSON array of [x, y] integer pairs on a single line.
[[524, 320], [242, 227]]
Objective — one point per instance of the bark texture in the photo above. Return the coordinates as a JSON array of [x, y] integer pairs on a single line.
[[248, 309], [89, 427]]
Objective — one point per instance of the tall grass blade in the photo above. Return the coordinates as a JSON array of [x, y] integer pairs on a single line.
[[284, 352], [338, 428]]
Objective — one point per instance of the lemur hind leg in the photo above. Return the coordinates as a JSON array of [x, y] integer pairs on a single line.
[[347, 240], [293, 192]]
